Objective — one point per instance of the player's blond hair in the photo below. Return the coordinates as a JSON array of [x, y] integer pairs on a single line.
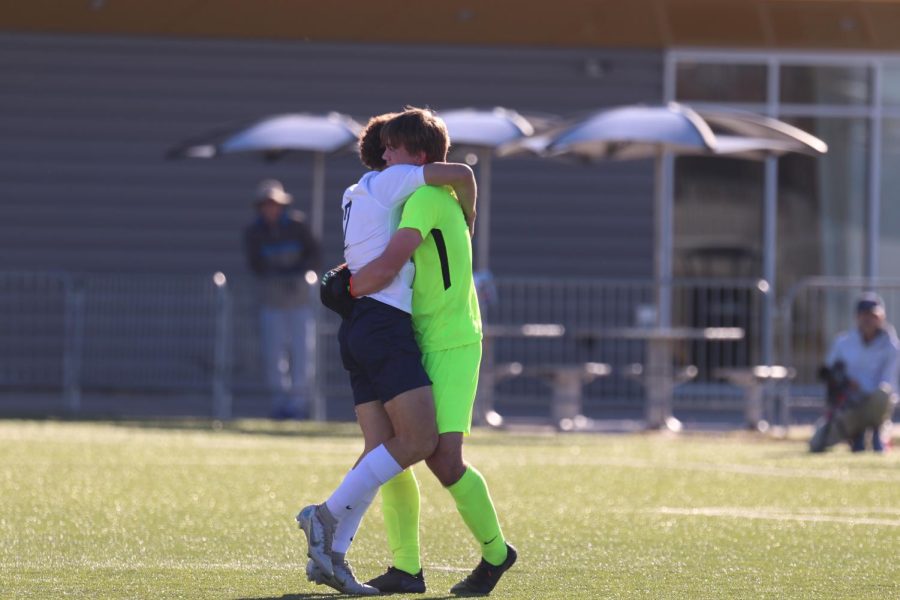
[[418, 130]]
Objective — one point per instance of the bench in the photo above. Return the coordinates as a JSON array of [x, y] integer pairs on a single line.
[[567, 382], [753, 380]]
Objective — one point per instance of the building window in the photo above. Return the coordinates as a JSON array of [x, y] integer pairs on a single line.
[[889, 223], [890, 86], [823, 85], [822, 201], [713, 82]]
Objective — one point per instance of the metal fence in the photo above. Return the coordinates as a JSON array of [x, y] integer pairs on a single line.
[[813, 313], [124, 335], [143, 337], [67, 336], [114, 334], [603, 323]]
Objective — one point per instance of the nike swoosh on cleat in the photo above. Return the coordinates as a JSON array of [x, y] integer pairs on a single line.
[[348, 507]]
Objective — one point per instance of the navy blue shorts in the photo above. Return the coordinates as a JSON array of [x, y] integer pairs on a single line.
[[379, 351]]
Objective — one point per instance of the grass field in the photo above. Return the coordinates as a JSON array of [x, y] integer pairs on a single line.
[[188, 510]]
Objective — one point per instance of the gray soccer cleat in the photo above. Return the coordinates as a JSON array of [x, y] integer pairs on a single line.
[[319, 530], [315, 574], [343, 579], [346, 581]]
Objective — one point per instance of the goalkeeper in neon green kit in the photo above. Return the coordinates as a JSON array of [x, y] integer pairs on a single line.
[[447, 323]]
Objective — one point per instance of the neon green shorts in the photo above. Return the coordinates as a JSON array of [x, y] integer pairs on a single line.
[[454, 380]]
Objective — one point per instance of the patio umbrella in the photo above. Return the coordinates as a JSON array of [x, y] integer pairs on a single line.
[[275, 136], [635, 132], [662, 132], [747, 125], [482, 132], [271, 138], [742, 134]]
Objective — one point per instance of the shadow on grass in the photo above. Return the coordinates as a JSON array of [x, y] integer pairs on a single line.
[[303, 596], [306, 429], [249, 427], [237, 426], [316, 595]]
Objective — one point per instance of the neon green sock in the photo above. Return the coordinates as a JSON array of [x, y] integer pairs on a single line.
[[400, 506], [473, 501]]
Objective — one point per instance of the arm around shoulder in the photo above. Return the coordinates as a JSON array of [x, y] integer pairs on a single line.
[[461, 178], [379, 273]]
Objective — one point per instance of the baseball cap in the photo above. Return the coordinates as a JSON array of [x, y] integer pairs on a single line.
[[271, 189], [870, 302]]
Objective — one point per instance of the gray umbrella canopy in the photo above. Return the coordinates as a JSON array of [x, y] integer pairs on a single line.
[[753, 148], [636, 132], [278, 135], [490, 128], [295, 132], [272, 137], [662, 132], [781, 137], [482, 132], [633, 132], [741, 134]]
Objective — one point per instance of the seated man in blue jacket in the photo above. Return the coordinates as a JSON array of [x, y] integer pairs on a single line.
[[866, 358]]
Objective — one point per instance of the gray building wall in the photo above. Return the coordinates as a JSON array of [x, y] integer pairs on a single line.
[[85, 122]]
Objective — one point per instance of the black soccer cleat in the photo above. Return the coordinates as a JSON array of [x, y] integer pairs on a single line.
[[397, 581], [484, 578]]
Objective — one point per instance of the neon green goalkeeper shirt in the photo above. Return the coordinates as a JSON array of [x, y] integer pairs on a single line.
[[445, 310]]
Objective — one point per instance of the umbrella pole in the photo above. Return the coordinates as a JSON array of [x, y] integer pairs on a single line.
[[664, 238], [483, 222], [770, 232], [658, 360], [314, 373], [484, 404], [318, 195]]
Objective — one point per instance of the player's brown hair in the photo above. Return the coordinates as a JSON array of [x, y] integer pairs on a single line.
[[418, 130], [371, 148]]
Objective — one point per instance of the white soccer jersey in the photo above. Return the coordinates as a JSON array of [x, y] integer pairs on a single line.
[[372, 209]]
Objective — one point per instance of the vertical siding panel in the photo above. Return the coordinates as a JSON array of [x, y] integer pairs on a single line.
[[86, 120]]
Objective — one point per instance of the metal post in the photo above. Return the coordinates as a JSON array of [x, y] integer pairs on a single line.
[[317, 219], [787, 325], [770, 236], [664, 238], [483, 222], [222, 400], [484, 405], [659, 386], [73, 344], [658, 408], [315, 375], [873, 214], [484, 398], [770, 215]]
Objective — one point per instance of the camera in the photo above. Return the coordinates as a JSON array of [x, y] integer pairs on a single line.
[[839, 386]]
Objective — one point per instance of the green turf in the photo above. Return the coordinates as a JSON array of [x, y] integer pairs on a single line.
[[186, 510]]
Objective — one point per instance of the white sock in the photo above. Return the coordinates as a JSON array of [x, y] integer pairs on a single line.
[[377, 467], [349, 524]]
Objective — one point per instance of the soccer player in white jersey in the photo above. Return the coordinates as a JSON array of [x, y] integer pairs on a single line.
[[391, 390]]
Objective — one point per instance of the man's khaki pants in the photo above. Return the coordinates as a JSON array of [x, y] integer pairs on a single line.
[[849, 421]]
